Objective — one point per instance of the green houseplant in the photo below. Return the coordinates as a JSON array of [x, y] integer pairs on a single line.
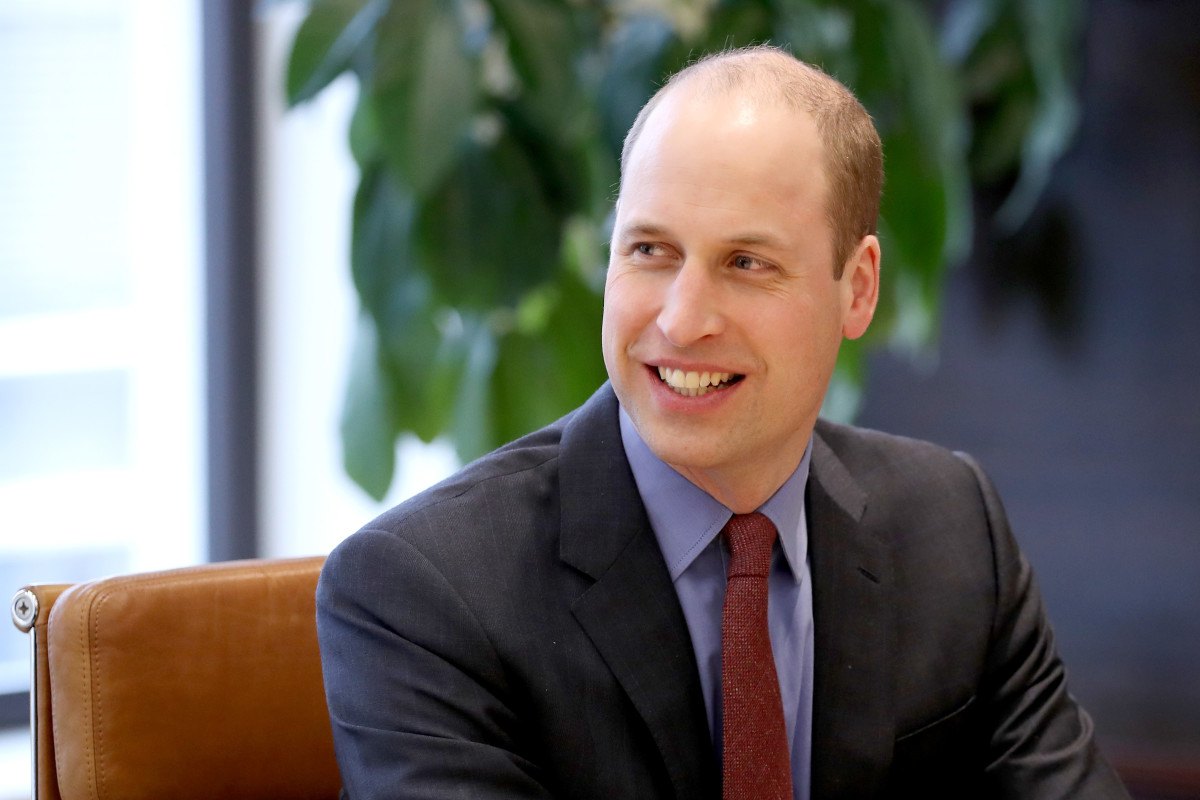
[[487, 132]]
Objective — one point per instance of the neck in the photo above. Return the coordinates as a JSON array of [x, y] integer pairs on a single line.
[[744, 492]]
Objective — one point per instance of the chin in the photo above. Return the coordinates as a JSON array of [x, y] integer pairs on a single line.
[[682, 451]]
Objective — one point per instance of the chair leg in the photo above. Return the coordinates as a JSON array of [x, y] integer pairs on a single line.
[[25, 617]]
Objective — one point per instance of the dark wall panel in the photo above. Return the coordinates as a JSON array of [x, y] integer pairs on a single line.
[[1070, 366]]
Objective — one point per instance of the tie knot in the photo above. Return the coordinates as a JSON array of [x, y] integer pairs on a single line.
[[750, 538]]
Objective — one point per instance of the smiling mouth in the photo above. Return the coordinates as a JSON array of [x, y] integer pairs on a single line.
[[696, 384]]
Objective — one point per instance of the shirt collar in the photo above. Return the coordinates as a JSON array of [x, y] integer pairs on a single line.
[[686, 519]]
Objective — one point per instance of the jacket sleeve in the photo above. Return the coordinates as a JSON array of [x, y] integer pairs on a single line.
[[1042, 742], [415, 690]]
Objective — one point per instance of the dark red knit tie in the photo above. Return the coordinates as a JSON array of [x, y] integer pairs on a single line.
[[756, 762]]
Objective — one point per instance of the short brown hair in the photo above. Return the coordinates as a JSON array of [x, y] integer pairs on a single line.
[[853, 152]]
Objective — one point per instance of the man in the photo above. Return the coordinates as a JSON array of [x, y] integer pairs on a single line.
[[554, 621]]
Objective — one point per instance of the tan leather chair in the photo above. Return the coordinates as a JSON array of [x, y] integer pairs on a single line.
[[193, 683]]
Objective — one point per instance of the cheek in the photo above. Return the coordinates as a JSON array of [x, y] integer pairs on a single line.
[[626, 307], [614, 328], [803, 337]]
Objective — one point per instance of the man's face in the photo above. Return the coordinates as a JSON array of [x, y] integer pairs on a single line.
[[721, 273]]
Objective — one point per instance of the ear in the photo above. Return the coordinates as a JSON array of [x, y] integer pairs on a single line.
[[860, 287]]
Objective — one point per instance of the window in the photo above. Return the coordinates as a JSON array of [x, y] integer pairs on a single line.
[[101, 454]]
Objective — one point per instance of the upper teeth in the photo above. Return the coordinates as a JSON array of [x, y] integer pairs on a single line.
[[679, 380]]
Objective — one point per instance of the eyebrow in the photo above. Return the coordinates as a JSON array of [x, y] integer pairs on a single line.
[[641, 229], [749, 239], [757, 239]]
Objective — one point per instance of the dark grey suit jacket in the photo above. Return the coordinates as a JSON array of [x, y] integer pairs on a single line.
[[513, 632]]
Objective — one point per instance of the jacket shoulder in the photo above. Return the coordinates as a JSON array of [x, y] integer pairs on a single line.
[[495, 515], [520, 463], [873, 456]]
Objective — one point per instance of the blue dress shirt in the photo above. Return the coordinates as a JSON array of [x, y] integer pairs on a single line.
[[686, 521]]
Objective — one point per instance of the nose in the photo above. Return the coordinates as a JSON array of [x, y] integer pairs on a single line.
[[690, 310]]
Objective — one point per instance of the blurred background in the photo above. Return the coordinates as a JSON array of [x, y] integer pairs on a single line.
[[177, 320]]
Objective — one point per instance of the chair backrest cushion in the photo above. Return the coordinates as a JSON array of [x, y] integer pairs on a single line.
[[196, 683]]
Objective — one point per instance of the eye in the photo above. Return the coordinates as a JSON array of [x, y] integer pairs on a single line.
[[648, 249], [745, 262]]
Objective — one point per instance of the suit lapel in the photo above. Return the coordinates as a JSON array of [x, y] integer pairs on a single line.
[[631, 612], [853, 714], [632, 615]]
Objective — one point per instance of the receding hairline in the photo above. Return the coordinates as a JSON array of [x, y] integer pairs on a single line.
[[769, 74]]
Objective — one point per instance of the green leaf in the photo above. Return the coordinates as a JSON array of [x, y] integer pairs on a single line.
[[325, 43], [442, 372], [941, 124], [865, 63], [994, 68], [817, 35], [365, 140], [736, 23], [999, 85], [573, 330], [597, 179], [419, 342], [472, 430], [540, 374], [543, 45], [1000, 135], [912, 232], [914, 204], [489, 234], [540, 34], [559, 168], [964, 24], [585, 252], [926, 211], [368, 427], [633, 71], [380, 244], [526, 392], [1051, 31], [424, 91]]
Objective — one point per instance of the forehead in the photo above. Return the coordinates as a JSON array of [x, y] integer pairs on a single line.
[[731, 149]]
